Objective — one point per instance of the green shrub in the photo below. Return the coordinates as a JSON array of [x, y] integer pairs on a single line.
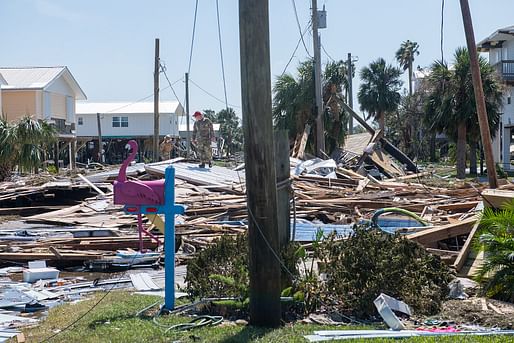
[[221, 270], [371, 262], [496, 240]]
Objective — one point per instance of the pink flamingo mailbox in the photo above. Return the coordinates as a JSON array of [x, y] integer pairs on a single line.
[[152, 197]]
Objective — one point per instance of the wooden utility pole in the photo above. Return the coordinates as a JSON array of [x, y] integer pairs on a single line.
[[282, 169], [100, 145], [261, 192], [156, 102], [320, 129], [350, 91], [188, 137], [479, 94]]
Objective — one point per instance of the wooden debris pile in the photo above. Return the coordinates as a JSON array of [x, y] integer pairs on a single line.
[[216, 205]]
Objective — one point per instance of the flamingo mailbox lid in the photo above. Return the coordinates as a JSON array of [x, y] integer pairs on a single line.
[[135, 192]]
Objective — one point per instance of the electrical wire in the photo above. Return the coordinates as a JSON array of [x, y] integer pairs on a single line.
[[210, 94], [221, 54], [300, 28], [326, 53], [163, 70], [192, 38], [295, 49], [142, 99]]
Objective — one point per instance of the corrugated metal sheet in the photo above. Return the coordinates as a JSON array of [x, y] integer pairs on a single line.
[[127, 107], [31, 77], [215, 177]]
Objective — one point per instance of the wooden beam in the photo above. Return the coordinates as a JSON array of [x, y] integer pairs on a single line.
[[436, 234], [464, 252]]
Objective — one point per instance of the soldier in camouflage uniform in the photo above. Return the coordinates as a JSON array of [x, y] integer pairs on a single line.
[[203, 135]]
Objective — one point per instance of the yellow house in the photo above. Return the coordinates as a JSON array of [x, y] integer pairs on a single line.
[[47, 93]]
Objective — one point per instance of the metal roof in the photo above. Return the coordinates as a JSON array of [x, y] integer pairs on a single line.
[[128, 107], [496, 39], [39, 78]]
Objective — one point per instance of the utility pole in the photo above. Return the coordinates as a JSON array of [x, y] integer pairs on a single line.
[[188, 137], [261, 192], [479, 94], [320, 130], [156, 102], [100, 145], [350, 91]]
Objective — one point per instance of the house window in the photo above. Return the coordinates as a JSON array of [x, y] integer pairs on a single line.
[[80, 121], [119, 121], [508, 100]]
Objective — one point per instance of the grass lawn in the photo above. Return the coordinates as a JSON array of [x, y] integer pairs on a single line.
[[113, 320]]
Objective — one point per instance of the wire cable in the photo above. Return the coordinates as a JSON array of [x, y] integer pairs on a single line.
[[210, 94], [296, 48], [300, 28], [192, 39], [163, 70], [326, 53], [221, 54]]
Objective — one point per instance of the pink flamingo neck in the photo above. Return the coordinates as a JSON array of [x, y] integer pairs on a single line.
[[122, 175]]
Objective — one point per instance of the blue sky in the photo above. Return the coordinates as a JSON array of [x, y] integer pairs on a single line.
[[109, 44]]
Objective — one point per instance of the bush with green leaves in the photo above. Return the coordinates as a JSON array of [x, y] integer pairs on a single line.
[[496, 240], [371, 262], [221, 270]]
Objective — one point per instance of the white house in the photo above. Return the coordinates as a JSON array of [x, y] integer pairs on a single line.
[[127, 120], [122, 121], [500, 46]]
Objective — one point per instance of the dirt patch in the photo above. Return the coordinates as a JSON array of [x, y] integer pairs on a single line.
[[473, 312]]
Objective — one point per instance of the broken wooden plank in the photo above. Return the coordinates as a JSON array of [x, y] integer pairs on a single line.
[[464, 251], [436, 234], [497, 197]]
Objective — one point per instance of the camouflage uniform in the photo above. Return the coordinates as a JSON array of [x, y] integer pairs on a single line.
[[165, 149], [203, 133]]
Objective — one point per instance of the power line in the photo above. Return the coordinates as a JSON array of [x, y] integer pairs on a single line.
[[192, 38], [163, 69], [210, 94], [221, 54], [326, 53], [300, 28], [295, 49], [142, 99]]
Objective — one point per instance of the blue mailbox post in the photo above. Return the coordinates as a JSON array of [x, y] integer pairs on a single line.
[[169, 209]]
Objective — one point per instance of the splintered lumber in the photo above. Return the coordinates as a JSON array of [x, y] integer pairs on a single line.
[[464, 251], [497, 197], [433, 235], [458, 207]]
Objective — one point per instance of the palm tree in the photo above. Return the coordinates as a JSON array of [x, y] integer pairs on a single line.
[[450, 104], [23, 144], [293, 102], [335, 80], [379, 91], [496, 239], [405, 57], [230, 130]]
